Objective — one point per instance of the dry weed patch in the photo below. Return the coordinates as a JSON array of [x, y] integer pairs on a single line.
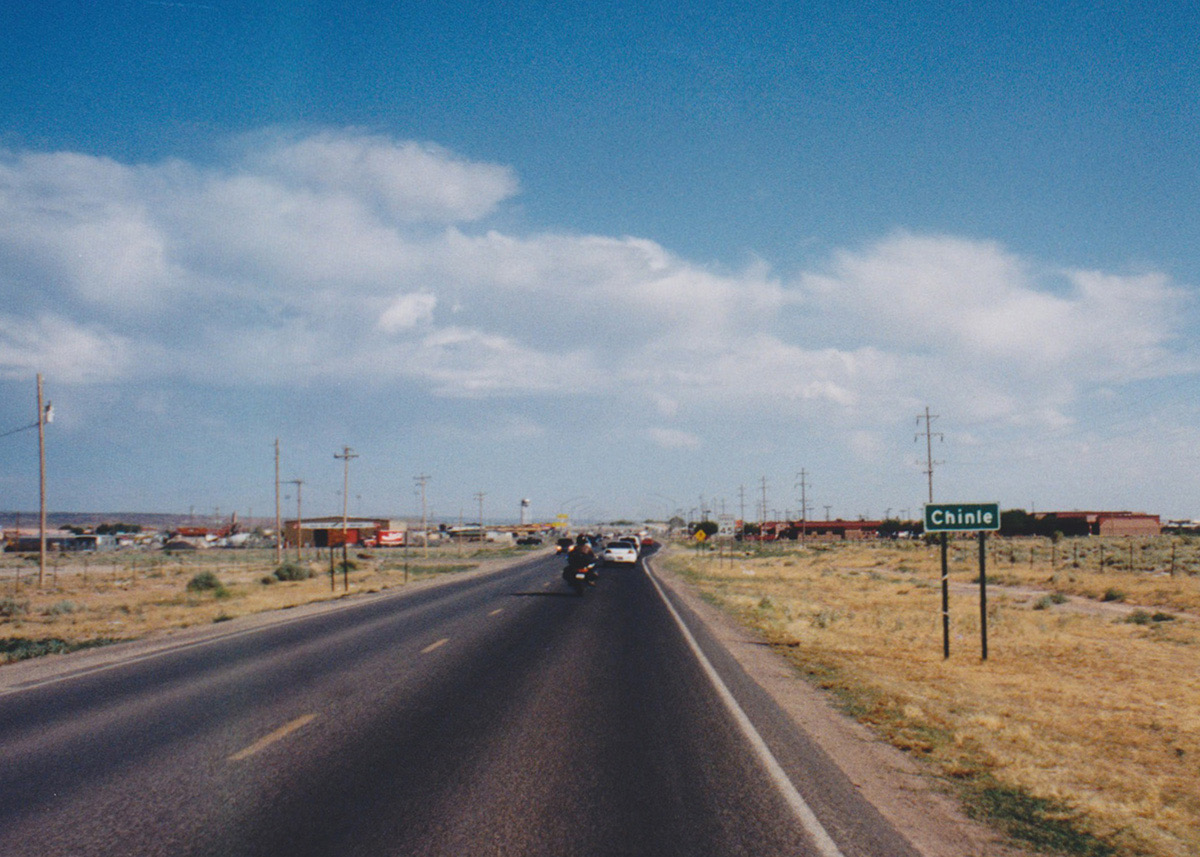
[[94, 600], [1080, 733]]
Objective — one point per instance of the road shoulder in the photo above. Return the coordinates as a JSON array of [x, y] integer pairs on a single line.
[[909, 796]]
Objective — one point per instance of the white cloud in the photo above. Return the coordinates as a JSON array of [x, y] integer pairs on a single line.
[[407, 311], [344, 252], [82, 226], [976, 303], [673, 438], [406, 181], [62, 349]]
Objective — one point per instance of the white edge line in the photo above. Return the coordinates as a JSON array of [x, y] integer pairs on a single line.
[[800, 808]]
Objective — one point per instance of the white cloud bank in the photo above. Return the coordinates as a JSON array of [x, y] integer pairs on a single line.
[[345, 252]]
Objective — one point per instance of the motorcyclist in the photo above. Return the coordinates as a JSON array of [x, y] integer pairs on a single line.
[[581, 556]]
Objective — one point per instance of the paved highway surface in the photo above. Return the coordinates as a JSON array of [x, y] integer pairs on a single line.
[[496, 714]]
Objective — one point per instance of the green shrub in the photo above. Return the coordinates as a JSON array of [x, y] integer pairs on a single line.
[[205, 581], [1113, 594], [63, 608], [10, 607], [19, 649], [293, 571], [1046, 824]]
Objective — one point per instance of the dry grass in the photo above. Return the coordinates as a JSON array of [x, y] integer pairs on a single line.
[[1095, 714], [88, 600]]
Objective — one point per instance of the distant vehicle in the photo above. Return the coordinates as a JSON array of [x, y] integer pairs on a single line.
[[387, 539], [564, 544], [529, 540], [619, 552]]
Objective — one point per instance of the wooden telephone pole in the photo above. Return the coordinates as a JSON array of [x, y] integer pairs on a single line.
[[45, 415]]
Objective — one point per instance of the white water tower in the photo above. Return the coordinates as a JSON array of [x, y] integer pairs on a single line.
[[524, 506]]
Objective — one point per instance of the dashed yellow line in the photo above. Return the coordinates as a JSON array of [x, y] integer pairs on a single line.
[[278, 735], [433, 646], [496, 612]]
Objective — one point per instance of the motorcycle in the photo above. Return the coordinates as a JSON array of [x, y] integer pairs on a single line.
[[578, 578]]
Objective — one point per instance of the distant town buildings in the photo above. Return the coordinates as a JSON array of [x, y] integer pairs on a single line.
[[1115, 523]]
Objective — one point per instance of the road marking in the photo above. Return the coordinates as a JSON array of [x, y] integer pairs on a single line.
[[433, 646], [496, 612], [826, 847], [278, 735]]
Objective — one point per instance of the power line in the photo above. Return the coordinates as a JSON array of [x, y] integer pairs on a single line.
[[21, 429]]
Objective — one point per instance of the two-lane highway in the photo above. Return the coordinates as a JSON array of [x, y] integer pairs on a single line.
[[496, 714]]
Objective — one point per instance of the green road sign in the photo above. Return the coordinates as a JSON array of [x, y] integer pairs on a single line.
[[961, 517]]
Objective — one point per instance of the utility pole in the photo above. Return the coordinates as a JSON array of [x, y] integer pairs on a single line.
[[929, 436], [827, 508], [764, 499], [421, 480], [742, 507], [803, 506], [479, 495], [346, 454], [278, 513], [45, 415], [299, 520]]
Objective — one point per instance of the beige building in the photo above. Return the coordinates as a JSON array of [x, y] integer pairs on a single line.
[[1117, 523]]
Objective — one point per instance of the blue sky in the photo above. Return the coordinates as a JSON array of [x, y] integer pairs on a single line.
[[616, 258]]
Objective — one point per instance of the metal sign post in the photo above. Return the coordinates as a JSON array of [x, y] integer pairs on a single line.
[[945, 600], [983, 592], [963, 518]]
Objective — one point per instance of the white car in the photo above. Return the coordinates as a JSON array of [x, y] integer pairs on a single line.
[[621, 552]]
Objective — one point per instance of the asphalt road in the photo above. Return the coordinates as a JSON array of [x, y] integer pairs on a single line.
[[496, 714]]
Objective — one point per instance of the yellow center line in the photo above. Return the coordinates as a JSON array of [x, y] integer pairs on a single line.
[[496, 612], [433, 646], [267, 740]]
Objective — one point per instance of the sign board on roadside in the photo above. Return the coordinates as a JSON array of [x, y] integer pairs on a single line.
[[961, 517]]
